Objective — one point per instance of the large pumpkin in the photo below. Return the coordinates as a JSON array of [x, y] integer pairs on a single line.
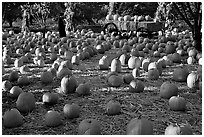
[[180, 74], [193, 80], [71, 110], [167, 90], [89, 127], [12, 118], [25, 102], [139, 127], [134, 62], [153, 74], [115, 81], [46, 77], [177, 103], [53, 119], [68, 84], [104, 63]]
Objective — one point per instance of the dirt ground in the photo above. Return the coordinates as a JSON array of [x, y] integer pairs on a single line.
[[147, 104]]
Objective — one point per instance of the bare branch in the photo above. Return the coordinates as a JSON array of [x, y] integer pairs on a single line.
[[179, 12]]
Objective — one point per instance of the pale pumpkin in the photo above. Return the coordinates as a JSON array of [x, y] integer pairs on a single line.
[[116, 65], [136, 86], [50, 98], [193, 80], [89, 127], [68, 84]]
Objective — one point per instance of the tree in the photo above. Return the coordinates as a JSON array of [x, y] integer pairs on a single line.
[[189, 12], [8, 10]]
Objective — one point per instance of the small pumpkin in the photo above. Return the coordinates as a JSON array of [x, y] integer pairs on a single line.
[[104, 63], [89, 127], [53, 118], [23, 81], [71, 110], [15, 91], [75, 60], [46, 77], [153, 74], [167, 90], [18, 63], [177, 103], [115, 81], [50, 98], [83, 89], [6, 85], [116, 65], [24, 69], [63, 72], [175, 129], [136, 86], [139, 127], [113, 107], [12, 118], [193, 80], [13, 76], [127, 78], [25, 102], [68, 84]]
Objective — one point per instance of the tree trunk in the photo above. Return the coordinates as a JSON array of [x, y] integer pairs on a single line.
[[197, 40]]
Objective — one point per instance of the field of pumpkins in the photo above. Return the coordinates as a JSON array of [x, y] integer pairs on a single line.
[[96, 84]]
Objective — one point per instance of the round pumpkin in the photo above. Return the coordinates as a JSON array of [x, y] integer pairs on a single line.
[[113, 107], [18, 63], [175, 129], [24, 69], [124, 59], [23, 81], [53, 119], [115, 81], [63, 72], [136, 86], [153, 74], [127, 78], [15, 91], [116, 65], [68, 84], [167, 90], [177, 103], [193, 80], [13, 76], [75, 60], [134, 62], [46, 77], [89, 127], [176, 58], [180, 74], [50, 98], [6, 85], [71, 110], [139, 127], [104, 63], [25, 102], [191, 60], [83, 89], [12, 118]]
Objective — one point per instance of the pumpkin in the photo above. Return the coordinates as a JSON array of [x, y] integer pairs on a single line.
[[180, 74], [24, 69], [200, 61], [50, 98], [124, 59], [176, 58], [104, 63], [116, 44], [89, 127], [15, 91], [115, 81], [145, 64], [6, 85], [12, 118], [40, 62], [66, 64], [192, 52], [175, 129], [75, 60], [109, 17], [136, 86], [53, 119], [193, 80], [53, 71], [13, 76], [191, 60], [68, 84], [113, 107], [63, 72], [116, 65], [100, 48], [177, 103], [71, 111], [170, 48], [139, 127], [127, 78], [83, 89], [46, 77], [25, 102], [136, 72], [134, 52], [134, 62], [167, 90], [23, 81], [153, 74]]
